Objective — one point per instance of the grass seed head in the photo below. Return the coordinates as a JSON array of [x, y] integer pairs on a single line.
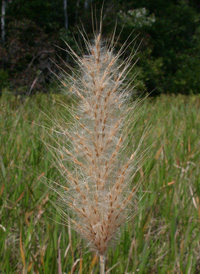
[[97, 173]]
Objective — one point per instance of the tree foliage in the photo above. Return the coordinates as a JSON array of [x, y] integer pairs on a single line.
[[168, 55]]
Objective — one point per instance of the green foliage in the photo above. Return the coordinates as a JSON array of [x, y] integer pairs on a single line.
[[28, 53], [169, 31], [170, 52], [137, 18], [45, 13], [4, 78], [164, 235]]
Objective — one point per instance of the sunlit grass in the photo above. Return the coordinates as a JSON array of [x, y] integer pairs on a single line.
[[164, 235]]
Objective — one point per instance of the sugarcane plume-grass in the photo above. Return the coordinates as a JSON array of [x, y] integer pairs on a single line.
[[91, 155]]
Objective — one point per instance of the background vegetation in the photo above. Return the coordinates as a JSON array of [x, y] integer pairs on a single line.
[[34, 30], [164, 235]]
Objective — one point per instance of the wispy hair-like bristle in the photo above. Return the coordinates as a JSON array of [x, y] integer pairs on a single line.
[[91, 151]]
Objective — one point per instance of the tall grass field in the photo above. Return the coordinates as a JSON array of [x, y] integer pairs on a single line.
[[164, 234]]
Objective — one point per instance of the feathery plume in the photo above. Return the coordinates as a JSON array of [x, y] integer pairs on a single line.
[[90, 155]]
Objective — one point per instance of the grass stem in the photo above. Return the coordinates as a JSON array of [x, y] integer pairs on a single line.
[[102, 264]]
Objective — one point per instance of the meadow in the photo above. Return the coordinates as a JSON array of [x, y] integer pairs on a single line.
[[164, 235]]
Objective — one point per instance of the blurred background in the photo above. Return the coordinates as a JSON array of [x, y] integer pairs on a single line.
[[33, 33]]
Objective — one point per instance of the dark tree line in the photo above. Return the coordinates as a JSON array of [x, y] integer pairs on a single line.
[[33, 33]]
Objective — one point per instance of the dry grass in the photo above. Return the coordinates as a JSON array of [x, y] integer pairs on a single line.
[[90, 153]]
